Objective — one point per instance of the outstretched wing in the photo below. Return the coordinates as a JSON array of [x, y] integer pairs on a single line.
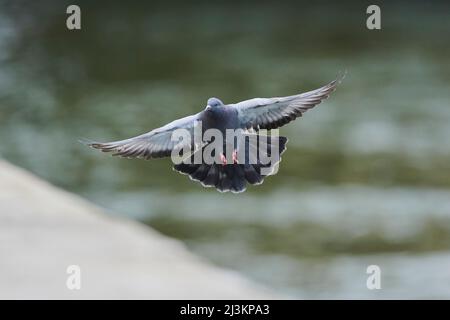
[[154, 144], [271, 113]]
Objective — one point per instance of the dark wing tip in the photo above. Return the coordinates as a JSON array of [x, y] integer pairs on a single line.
[[105, 147], [333, 84], [315, 97], [88, 142], [325, 92]]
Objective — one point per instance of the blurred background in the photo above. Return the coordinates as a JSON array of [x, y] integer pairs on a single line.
[[365, 180]]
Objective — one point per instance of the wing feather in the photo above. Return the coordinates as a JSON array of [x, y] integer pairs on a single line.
[[271, 113], [154, 144]]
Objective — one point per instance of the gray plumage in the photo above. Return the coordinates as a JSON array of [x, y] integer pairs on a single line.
[[255, 114]]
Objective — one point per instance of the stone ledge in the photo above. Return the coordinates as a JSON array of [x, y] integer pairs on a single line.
[[44, 229]]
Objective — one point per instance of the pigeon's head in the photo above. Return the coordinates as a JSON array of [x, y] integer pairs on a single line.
[[213, 104]]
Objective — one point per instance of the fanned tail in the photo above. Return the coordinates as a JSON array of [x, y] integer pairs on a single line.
[[234, 177]]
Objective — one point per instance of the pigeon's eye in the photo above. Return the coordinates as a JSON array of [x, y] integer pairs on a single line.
[[213, 102]]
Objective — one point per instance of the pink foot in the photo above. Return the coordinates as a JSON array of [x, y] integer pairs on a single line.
[[235, 157], [223, 159]]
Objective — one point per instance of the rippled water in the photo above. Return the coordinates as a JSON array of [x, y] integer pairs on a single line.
[[365, 180]]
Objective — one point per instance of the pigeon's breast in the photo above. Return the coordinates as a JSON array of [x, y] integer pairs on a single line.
[[221, 119]]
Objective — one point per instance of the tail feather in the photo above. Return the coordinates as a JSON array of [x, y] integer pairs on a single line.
[[212, 177], [239, 181], [231, 177], [252, 175], [224, 183], [200, 173]]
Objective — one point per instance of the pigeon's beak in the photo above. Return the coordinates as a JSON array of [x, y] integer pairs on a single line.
[[208, 107]]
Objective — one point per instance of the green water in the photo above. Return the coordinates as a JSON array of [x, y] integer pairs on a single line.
[[365, 180]]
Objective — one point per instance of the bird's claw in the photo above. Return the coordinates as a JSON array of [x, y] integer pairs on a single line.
[[223, 159], [235, 157]]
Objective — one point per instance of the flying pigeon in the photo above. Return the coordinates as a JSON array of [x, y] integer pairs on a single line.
[[228, 173]]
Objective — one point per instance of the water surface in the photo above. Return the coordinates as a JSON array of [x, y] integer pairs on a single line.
[[365, 180]]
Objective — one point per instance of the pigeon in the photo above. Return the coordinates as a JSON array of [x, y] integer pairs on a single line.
[[253, 117]]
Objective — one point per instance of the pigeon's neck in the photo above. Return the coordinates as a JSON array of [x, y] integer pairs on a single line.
[[212, 117], [221, 118]]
